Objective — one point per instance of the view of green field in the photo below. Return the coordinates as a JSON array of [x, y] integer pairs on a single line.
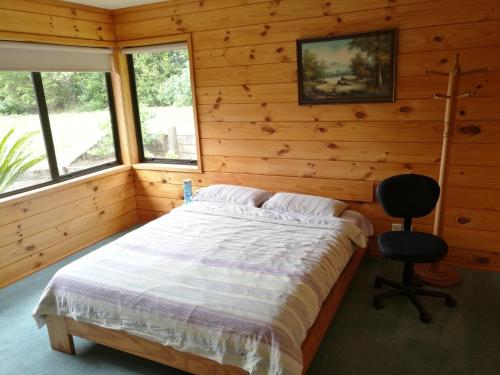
[[80, 121]]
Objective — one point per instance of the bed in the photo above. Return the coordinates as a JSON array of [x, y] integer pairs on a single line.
[[210, 288]]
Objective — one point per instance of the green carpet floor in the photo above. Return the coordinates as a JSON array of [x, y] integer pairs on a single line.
[[361, 340]]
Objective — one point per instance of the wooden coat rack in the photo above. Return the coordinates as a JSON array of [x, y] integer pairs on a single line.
[[438, 274]]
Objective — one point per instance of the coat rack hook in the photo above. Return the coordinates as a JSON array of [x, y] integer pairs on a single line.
[[473, 71], [439, 96], [436, 73]]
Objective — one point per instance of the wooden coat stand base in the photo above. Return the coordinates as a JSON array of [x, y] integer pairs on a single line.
[[438, 274]]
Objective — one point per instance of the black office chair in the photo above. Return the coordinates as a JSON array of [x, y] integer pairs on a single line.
[[407, 196]]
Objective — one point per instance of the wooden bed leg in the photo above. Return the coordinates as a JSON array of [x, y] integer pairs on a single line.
[[60, 340]]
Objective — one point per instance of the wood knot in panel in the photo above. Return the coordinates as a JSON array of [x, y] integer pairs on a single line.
[[482, 260], [470, 130]]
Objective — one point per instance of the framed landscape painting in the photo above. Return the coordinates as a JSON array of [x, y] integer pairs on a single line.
[[347, 69]]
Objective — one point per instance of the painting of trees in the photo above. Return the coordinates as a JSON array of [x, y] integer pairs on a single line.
[[378, 58], [359, 67], [314, 69]]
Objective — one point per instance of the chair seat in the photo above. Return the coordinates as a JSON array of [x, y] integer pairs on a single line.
[[414, 247]]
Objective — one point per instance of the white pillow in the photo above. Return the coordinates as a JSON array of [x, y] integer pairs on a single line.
[[305, 204], [241, 195]]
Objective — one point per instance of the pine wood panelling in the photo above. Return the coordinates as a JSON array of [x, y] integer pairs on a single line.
[[345, 15], [80, 222], [473, 239], [247, 74], [173, 8], [475, 177], [42, 24], [38, 228], [34, 223], [427, 18], [467, 132], [55, 22], [408, 87], [451, 36], [414, 64], [485, 199], [419, 86], [246, 93], [342, 189], [409, 63], [42, 259], [24, 208], [473, 218], [57, 8], [472, 58], [153, 189], [347, 151], [335, 169], [415, 110], [408, 131], [155, 203], [269, 11], [481, 260], [246, 55], [19, 230], [254, 133], [402, 110], [476, 154], [50, 39]]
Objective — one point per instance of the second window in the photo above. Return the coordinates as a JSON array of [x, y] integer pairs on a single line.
[[162, 97]]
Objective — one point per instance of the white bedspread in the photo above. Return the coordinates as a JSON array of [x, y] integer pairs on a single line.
[[239, 285]]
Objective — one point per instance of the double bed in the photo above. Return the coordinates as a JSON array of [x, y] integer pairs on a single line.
[[210, 288]]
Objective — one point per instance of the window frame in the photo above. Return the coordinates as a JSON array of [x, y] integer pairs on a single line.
[[177, 164], [43, 113]]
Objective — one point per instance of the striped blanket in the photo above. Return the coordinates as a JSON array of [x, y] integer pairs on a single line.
[[238, 285]]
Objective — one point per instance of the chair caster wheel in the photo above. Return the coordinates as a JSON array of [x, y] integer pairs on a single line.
[[450, 302], [378, 283], [426, 318], [378, 304]]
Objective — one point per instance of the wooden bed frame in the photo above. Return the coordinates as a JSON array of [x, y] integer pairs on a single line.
[[62, 329]]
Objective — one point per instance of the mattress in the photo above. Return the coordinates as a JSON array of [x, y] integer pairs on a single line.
[[238, 285]]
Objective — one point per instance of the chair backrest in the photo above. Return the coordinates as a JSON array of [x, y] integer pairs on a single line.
[[408, 195]]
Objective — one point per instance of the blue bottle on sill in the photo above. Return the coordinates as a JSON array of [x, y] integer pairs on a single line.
[[188, 190]]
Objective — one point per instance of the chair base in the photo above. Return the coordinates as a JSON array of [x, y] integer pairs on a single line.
[[411, 288]]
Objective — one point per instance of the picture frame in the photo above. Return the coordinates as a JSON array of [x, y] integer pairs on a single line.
[[350, 68]]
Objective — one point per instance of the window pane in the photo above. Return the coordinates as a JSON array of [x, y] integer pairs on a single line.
[[23, 160], [80, 120], [163, 82]]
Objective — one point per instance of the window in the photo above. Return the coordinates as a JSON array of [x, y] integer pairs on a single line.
[[80, 119], [54, 125], [162, 97], [23, 159]]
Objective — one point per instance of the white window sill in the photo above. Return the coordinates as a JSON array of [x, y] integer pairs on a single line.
[[168, 167]]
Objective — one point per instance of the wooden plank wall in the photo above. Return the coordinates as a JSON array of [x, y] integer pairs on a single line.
[[251, 125], [52, 21], [37, 229]]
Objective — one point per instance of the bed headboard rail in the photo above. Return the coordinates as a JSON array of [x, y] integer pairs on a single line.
[[347, 190]]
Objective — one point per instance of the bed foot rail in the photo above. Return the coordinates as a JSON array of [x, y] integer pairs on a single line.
[[60, 339]]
